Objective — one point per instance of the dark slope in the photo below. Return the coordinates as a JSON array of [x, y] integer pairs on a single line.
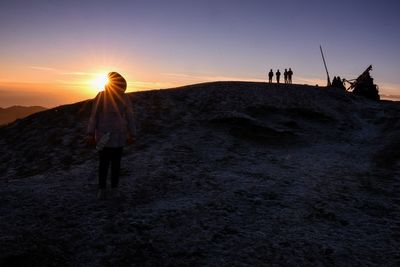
[[222, 174], [56, 137]]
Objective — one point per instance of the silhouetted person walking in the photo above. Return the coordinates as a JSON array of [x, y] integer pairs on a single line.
[[111, 126], [270, 75], [278, 76], [340, 83], [290, 74], [334, 81], [285, 75]]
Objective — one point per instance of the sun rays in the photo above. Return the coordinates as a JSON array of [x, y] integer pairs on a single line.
[[99, 82]]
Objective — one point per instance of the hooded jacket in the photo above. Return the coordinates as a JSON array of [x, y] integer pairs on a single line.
[[112, 113]]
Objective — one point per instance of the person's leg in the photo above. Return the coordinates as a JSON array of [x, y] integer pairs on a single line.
[[115, 166], [104, 163]]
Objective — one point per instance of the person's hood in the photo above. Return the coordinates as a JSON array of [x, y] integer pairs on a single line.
[[116, 82]]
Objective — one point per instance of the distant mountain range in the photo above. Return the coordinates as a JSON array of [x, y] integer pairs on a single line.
[[10, 114]]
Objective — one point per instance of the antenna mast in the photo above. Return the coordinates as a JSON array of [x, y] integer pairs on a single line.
[[327, 73]]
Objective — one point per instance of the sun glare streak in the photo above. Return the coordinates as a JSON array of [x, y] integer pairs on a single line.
[[99, 82]]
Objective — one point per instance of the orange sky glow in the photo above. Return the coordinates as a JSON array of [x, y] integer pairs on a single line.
[[52, 51]]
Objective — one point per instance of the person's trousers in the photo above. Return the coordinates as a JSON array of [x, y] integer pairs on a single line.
[[109, 156]]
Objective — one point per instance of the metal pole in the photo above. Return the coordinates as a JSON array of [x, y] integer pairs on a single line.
[[327, 73]]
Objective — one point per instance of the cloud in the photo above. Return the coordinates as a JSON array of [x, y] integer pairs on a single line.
[[146, 85], [41, 68], [78, 73], [62, 72]]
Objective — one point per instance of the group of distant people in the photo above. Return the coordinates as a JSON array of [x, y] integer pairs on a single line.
[[338, 83], [287, 75]]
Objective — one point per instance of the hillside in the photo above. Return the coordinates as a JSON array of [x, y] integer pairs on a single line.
[[10, 114], [221, 174]]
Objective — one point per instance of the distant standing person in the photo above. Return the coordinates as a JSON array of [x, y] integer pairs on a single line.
[[285, 76], [270, 75], [111, 126], [290, 74], [278, 76]]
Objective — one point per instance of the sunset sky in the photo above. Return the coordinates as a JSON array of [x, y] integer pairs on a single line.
[[51, 51]]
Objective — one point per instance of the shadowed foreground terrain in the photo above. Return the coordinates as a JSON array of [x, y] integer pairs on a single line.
[[222, 174]]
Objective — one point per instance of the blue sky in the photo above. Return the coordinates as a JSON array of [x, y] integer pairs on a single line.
[[167, 43]]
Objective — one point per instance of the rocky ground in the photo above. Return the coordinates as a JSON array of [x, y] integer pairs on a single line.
[[221, 174]]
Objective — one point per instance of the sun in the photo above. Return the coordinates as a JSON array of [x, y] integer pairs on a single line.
[[99, 82]]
